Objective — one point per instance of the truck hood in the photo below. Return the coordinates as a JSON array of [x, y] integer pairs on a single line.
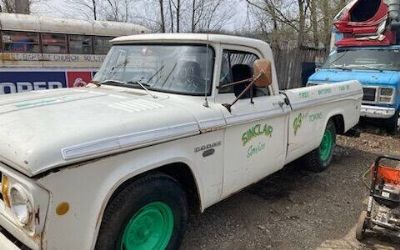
[[388, 78], [47, 129]]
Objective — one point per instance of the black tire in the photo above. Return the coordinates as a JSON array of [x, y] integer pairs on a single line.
[[361, 226], [314, 160], [391, 124], [132, 199]]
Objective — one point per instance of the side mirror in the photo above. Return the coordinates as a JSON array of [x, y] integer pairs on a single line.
[[262, 75], [262, 78]]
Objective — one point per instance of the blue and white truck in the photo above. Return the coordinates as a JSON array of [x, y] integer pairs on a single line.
[[366, 47], [378, 70]]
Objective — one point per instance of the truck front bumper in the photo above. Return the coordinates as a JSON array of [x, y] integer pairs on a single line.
[[377, 112]]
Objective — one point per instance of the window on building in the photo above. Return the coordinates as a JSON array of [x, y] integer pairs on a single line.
[[80, 44], [102, 45], [54, 43], [17, 41]]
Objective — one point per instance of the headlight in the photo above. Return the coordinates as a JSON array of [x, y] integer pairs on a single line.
[[20, 204], [22, 201], [386, 95], [387, 91]]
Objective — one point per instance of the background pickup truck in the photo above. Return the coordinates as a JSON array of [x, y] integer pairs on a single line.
[[171, 122], [377, 69]]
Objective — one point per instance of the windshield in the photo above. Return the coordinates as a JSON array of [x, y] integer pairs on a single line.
[[375, 59], [181, 69]]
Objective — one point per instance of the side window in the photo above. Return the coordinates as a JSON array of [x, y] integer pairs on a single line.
[[54, 43], [237, 66], [226, 74], [80, 44], [102, 45], [24, 42]]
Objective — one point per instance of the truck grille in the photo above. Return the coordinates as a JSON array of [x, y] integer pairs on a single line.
[[369, 94]]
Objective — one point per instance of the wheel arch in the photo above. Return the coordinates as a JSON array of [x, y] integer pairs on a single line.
[[338, 120], [179, 171]]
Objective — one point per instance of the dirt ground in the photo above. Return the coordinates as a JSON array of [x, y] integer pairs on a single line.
[[296, 209]]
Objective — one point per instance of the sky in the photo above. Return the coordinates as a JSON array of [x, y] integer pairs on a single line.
[[60, 8]]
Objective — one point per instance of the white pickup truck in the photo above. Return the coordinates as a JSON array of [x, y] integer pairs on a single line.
[[170, 123]]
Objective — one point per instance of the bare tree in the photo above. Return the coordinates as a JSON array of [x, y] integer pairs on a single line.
[[314, 22], [85, 6], [158, 15], [302, 5], [16, 6], [171, 14], [161, 5], [94, 9], [309, 21], [194, 9], [178, 15], [208, 15]]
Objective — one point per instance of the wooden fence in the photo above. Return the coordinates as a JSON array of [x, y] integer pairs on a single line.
[[293, 66]]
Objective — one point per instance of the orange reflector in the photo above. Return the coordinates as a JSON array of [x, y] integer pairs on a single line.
[[62, 208], [5, 186]]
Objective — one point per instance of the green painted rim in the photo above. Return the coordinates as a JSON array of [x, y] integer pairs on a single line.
[[150, 228], [325, 149]]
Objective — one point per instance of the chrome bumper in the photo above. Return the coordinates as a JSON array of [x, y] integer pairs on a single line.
[[377, 112]]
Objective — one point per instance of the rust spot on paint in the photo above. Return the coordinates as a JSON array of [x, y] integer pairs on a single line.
[[62, 208]]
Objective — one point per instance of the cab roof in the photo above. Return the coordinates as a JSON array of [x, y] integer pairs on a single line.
[[192, 38]]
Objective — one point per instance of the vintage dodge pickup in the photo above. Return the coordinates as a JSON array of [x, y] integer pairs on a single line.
[[172, 123]]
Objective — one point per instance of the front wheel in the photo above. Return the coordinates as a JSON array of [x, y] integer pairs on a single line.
[[319, 159], [148, 214]]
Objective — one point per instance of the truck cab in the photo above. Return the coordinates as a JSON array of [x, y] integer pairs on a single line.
[[377, 69]]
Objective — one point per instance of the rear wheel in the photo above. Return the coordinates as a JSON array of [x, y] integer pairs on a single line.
[[319, 159], [150, 213]]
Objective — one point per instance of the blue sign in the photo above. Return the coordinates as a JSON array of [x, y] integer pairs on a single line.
[[16, 82]]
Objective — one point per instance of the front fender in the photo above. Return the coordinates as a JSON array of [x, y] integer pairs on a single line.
[[88, 188]]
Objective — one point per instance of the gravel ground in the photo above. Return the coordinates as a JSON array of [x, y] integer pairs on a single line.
[[296, 209]]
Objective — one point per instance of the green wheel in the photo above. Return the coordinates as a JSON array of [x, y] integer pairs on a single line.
[[319, 159], [148, 214], [327, 144], [150, 228]]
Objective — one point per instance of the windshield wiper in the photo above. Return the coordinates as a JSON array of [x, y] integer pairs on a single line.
[[129, 84], [344, 68], [370, 67], [113, 82], [144, 86]]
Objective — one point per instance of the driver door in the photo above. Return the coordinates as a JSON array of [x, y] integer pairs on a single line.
[[255, 138]]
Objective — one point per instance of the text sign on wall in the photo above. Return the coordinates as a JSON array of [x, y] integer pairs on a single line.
[[17, 82]]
